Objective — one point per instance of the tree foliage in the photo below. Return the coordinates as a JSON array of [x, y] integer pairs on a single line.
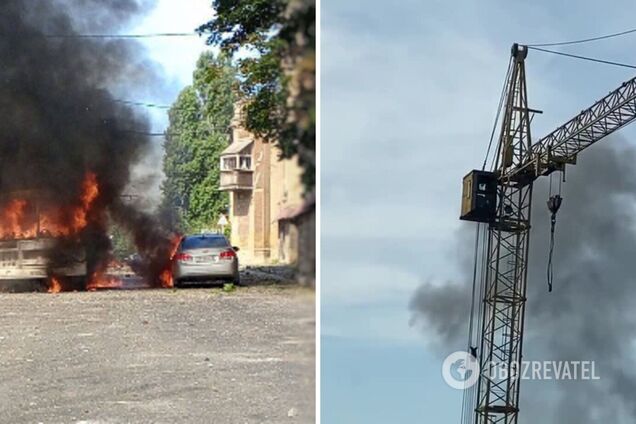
[[278, 77], [198, 132], [121, 241]]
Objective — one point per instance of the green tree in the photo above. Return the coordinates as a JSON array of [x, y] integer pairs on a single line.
[[198, 132], [121, 240], [278, 78]]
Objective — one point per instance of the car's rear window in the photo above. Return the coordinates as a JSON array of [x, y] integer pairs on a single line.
[[203, 242]]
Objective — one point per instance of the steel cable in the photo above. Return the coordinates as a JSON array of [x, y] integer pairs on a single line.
[[584, 40]]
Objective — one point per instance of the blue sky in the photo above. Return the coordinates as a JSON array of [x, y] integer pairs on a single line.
[[175, 60], [176, 56], [409, 91]]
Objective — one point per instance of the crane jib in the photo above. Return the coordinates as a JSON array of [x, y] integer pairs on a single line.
[[562, 146]]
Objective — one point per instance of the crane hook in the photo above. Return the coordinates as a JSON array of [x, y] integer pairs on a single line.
[[554, 203]]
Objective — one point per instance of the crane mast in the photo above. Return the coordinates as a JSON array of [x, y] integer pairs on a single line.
[[502, 198]]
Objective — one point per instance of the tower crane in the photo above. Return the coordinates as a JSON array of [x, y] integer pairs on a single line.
[[502, 199]]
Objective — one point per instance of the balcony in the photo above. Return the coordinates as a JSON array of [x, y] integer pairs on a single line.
[[236, 167], [235, 180]]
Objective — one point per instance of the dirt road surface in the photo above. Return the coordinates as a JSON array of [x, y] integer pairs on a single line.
[[197, 355]]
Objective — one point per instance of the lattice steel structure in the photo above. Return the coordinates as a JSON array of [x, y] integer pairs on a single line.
[[507, 258], [561, 146], [517, 164]]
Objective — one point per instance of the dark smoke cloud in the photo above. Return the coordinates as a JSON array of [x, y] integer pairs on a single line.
[[591, 314], [59, 119], [97, 16]]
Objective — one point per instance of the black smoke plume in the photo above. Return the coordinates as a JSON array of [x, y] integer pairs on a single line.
[[60, 122], [591, 314]]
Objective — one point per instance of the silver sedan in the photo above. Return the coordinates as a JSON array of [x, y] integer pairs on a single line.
[[205, 257]]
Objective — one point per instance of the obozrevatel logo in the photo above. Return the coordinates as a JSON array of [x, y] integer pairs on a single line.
[[460, 370]]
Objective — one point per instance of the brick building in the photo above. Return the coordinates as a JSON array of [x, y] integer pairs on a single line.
[[262, 188]]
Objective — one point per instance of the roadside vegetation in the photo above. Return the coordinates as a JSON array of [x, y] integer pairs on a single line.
[[198, 133], [267, 59], [273, 43]]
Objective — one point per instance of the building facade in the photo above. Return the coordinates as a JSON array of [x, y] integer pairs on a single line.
[[262, 188]]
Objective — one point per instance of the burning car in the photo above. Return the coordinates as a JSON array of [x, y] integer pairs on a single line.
[[38, 242], [69, 140], [28, 260]]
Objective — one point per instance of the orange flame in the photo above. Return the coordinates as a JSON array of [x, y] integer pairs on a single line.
[[13, 217], [54, 285], [90, 191], [19, 217], [14, 214], [166, 278], [99, 280]]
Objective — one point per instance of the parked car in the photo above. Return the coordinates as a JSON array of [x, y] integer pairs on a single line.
[[205, 257]]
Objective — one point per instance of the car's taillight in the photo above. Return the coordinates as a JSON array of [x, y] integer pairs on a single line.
[[227, 254], [183, 257]]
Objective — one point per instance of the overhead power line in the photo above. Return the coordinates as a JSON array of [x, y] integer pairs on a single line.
[[152, 134], [163, 134], [144, 104], [584, 40], [148, 133], [120, 36], [591, 59]]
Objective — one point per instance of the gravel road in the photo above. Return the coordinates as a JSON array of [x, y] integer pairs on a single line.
[[158, 356]]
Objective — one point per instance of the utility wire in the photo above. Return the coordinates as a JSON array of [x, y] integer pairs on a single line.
[[156, 134], [151, 105], [147, 134], [584, 40], [112, 36], [591, 59], [161, 134]]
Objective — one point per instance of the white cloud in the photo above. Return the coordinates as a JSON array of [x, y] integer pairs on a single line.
[[408, 102], [178, 56], [388, 325], [355, 283], [407, 112]]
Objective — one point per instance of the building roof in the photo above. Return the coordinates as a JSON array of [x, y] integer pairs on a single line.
[[236, 147]]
